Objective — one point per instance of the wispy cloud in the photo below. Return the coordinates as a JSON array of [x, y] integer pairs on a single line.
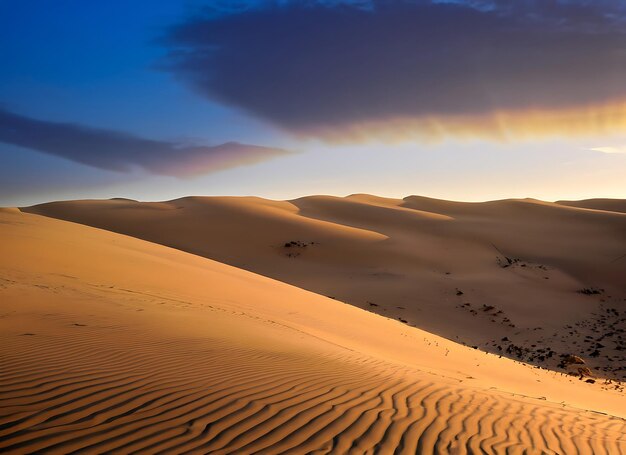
[[119, 151], [610, 149], [326, 68]]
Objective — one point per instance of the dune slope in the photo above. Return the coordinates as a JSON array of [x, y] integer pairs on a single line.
[[113, 344], [523, 278]]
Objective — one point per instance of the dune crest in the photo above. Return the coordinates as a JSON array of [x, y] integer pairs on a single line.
[[612, 205]]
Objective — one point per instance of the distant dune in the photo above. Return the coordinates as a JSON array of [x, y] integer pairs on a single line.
[[527, 279], [612, 205], [112, 344]]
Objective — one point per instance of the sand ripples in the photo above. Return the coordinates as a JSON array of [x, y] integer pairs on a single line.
[[79, 393]]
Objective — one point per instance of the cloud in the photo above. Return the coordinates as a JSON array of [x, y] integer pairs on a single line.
[[118, 151], [610, 150], [325, 68]]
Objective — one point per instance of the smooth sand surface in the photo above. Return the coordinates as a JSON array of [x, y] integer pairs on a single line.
[[113, 344], [527, 279]]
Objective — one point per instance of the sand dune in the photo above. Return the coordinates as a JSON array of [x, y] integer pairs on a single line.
[[113, 344], [527, 279], [611, 205]]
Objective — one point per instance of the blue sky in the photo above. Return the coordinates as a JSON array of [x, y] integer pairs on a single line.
[[113, 99], [79, 61]]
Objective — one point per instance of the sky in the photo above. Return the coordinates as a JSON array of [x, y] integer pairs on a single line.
[[456, 99]]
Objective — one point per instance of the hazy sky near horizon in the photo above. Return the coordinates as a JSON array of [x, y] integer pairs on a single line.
[[456, 99]]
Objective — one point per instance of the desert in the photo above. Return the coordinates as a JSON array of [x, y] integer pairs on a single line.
[[113, 343], [313, 227]]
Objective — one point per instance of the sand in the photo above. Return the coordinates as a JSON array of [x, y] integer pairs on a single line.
[[526, 279], [114, 344], [611, 205]]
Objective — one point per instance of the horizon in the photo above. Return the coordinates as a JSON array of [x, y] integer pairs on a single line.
[[339, 196]]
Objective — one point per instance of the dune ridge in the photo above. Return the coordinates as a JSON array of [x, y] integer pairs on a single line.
[[113, 344], [527, 279], [611, 205]]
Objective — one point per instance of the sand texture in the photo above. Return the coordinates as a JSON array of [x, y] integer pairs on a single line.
[[111, 344]]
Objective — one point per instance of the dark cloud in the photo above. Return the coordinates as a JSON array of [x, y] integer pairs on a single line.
[[117, 151], [314, 65]]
